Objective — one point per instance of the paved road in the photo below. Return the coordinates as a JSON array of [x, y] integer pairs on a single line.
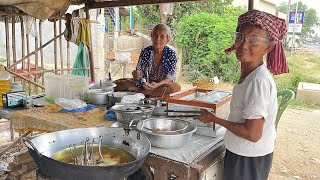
[[313, 49]]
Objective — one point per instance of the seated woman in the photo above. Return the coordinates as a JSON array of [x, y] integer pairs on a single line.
[[156, 69]]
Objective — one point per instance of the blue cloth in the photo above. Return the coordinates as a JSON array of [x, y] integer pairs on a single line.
[[110, 115], [169, 62], [87, 108]]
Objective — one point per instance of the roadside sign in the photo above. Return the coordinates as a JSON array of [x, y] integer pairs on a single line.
[[299, 19], [296, 26]]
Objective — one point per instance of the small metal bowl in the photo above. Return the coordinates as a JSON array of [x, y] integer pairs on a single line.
[[164, 126], [175, 136]]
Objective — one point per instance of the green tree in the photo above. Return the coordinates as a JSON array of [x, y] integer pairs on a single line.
[[310, 15], [203, 38]]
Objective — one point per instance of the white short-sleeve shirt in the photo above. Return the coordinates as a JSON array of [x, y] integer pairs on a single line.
[[255, 97]]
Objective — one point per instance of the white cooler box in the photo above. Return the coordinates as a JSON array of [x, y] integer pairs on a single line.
[[66, 86]]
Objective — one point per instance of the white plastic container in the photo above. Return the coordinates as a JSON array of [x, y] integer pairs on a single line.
[[67, 86]]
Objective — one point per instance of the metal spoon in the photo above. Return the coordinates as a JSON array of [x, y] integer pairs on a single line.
[[100, 160]]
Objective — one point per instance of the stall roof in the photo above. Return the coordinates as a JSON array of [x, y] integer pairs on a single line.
[[120, 3]]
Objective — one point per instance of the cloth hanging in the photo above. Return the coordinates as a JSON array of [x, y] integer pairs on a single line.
[[82, 56]]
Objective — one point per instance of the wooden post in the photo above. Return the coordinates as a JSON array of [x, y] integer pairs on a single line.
[[28, 64], [55, 45], [91, 60], [60, 42], [41, 52], [250, 4], [36, 45], [68, 56], [22, 49], [6, 21], [13, 36]]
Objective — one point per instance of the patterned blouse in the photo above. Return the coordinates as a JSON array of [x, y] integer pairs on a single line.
[[167, 68]]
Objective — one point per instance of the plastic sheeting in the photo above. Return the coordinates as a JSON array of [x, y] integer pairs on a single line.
[[39, 9]]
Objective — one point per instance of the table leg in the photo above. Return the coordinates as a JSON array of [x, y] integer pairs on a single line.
[[11, 131]]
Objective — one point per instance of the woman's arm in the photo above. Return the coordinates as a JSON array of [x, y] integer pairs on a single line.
[[250, 130], [153, 85]]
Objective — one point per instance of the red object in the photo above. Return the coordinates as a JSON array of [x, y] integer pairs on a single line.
[[32, 69]]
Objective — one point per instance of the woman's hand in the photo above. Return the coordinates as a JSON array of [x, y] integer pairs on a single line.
[[151, 86], [136, 74], [206, 116]]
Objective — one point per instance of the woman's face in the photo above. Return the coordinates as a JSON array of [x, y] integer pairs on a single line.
[[159, 38], [251, 44]]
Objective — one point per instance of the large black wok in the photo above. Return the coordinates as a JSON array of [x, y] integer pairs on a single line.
[[43, 147]]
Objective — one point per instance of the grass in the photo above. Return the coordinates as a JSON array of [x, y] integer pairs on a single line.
[[303, 67]]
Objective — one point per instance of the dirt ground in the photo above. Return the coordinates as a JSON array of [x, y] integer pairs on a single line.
[[297, 153]]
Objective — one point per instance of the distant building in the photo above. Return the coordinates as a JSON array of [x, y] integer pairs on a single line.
[[268, 6]]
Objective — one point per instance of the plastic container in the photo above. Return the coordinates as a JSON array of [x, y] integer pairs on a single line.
[[67, 86], [5, 82]]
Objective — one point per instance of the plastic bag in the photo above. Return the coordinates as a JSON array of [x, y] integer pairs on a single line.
[[132, 99], [70, 104]]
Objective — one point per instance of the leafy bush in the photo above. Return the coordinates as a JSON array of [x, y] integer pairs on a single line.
[[203, 37]]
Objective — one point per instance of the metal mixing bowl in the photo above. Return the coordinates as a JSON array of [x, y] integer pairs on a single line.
[[165, 140], [127, 112]]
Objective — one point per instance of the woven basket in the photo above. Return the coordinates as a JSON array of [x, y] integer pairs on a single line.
[[206, 84]]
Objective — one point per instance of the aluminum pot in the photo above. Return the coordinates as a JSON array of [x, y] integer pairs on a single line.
[[127, 112], [43, 147], [163, 140], [98, 96]]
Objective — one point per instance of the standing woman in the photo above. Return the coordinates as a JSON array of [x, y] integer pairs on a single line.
[[250, 135], [156, 69]]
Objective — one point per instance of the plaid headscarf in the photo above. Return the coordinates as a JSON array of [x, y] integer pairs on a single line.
[[276, 29]]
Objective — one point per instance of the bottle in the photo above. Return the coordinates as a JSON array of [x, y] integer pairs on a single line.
[[5, 82]]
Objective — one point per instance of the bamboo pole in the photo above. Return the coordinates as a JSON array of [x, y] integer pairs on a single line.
[[51, 70], [30, 54], [68, 56], [13, 39], [41, 51], [60, 42], [28, 62], [36, 44], [91, 60], [22, 77], [22, 48], [6, 21], [55, 46]]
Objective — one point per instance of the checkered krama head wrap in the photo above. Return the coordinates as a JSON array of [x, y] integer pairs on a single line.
[[276, 29]]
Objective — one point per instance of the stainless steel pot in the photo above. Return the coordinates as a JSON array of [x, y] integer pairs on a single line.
[[98, 96], [127, 112], [42, 148], [164, 140]]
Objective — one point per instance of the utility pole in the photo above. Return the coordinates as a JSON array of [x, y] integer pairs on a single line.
[[294, 27]]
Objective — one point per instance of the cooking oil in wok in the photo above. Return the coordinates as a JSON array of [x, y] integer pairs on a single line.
[[111, 155]]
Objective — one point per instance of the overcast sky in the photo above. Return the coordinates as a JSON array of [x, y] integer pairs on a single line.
[[315, 4]]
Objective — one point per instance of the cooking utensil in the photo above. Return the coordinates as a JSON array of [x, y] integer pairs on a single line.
[[165, 127], [98, 96], [127, 112], [43, 147], [163, 140]]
